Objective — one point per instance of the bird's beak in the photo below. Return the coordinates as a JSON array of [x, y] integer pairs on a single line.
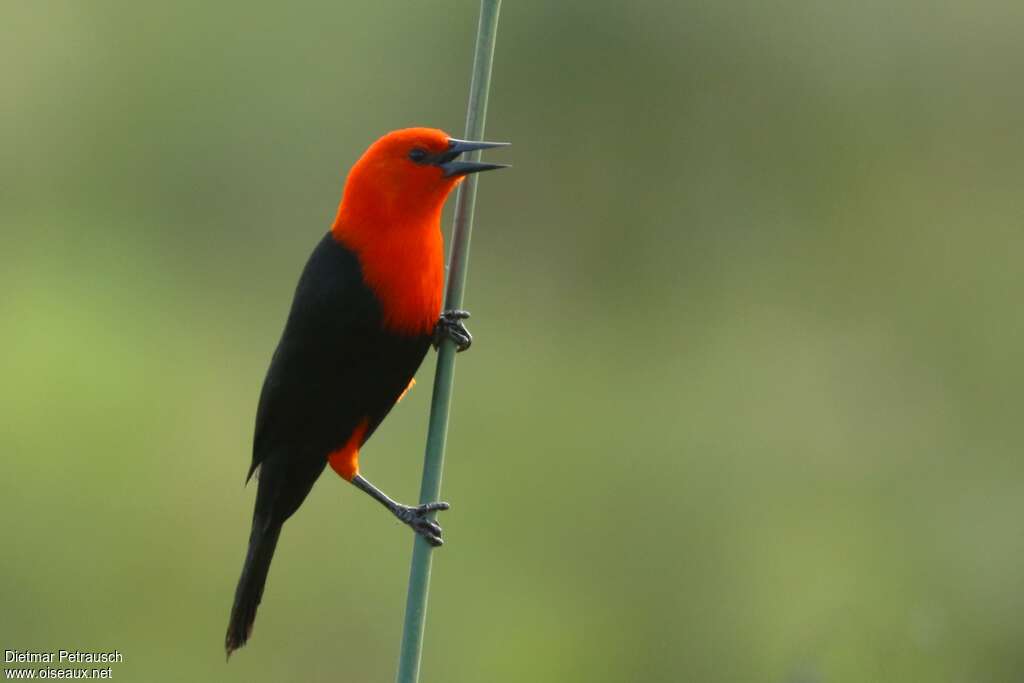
[[448, 160]]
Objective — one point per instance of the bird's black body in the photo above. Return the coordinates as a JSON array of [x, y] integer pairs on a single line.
[[334, 367]]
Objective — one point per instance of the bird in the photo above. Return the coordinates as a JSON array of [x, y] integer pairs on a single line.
[[366, 310]]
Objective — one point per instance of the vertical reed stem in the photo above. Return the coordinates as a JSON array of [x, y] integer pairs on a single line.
[[430, 489]]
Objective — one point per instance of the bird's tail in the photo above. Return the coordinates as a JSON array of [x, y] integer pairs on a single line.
[[262, 542]]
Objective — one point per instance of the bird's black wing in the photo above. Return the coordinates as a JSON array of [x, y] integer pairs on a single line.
[[333, 367], [333, 314]]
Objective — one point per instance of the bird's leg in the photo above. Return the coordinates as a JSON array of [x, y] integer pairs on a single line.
[[415, 517], [450, 325]]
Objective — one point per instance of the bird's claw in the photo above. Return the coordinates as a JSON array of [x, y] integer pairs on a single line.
[[450, 325], [416, 517]]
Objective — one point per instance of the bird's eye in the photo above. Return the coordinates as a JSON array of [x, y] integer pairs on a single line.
[[418, 154]]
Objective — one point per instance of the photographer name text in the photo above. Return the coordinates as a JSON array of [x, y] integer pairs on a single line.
[[62, 656]]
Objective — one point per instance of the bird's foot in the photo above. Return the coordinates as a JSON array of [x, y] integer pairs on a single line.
[[450, 325], [416, 517]]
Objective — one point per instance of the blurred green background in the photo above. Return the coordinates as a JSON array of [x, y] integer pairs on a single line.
[[745, 399]]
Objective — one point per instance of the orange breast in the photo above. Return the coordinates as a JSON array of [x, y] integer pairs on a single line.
[[392, 221], [407, 275]]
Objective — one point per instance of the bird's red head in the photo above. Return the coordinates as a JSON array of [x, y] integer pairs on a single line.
[[390, 216], [404, 178]]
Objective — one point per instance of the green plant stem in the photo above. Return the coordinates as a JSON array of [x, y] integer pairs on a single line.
[[444, 378]]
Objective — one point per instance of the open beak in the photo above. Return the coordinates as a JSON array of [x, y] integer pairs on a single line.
[[453, 168]]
